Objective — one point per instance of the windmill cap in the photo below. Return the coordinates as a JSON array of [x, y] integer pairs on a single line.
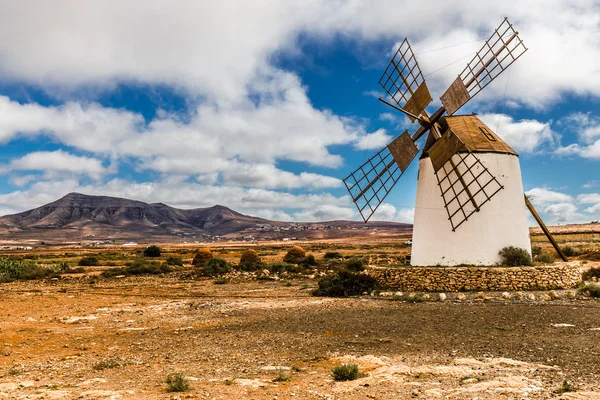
[[478, 137]]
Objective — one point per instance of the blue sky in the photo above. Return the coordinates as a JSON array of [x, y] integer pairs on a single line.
[[265, 106]]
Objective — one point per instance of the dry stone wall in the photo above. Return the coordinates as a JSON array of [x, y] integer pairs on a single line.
[[455, 279]]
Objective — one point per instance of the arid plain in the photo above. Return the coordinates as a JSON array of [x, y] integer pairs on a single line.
[[263, 335]]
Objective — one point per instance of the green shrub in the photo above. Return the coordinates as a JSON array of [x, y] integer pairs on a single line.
[[177, 383], [570, 251], [282, 377], [345, 372], [280, 267], [332, 254], [546, 258], [143, 267], [514, 256], [309, 261], [202, 257], [591, 273], [138, 267], [12, 270], [566, 387], [216, 266], [592, 288], [536, 251], [250, 261], [345, 283], [88, 261], [295, 255], [172, 260], [355, 264], [65, 268], [152, 251]]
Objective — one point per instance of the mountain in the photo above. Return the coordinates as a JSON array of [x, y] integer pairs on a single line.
[[77, 216]]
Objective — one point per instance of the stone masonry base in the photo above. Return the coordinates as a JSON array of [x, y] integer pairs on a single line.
[[456, 279]]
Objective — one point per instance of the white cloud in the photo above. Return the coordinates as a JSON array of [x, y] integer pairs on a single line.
[[563, 212], [387, 212], [375, 140], [197, 46], [588, 198], [325, 212], [21, 180], [595, 209], [590, 184], [89, 127], [268, 176], [59, 161], [389, 117], [544, 197], [525, 135]]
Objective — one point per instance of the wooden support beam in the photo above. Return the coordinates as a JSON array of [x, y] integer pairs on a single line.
[[545, 229]]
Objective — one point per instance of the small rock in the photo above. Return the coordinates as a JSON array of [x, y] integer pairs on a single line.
[[505, 295], [530, 296], [461, 296], [442, 296]]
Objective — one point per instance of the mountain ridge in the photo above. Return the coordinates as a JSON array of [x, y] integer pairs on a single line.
[[115, 217]]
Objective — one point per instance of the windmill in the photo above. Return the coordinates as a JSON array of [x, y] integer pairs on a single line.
[[470, 200]]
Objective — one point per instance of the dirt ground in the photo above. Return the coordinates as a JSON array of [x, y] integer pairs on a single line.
[[120, 338]]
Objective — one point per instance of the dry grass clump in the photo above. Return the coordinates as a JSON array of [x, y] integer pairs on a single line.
[[295, 255], [177, 383], [202, 257], [250, 261]]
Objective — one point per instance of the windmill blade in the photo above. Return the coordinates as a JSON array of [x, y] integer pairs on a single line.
[[502, 49], [464, 181], [370, 183], [403, 81]]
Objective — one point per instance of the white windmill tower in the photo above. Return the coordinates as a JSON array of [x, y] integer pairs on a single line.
[[470, 201]]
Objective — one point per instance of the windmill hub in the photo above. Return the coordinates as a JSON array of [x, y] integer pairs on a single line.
[[470, 201]]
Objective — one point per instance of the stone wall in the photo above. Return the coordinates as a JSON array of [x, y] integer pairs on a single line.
[[455, 279]]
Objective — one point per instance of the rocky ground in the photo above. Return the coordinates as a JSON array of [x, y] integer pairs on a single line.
[[120, 338]]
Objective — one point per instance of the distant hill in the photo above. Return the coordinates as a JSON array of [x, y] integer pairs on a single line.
[[77, 216]]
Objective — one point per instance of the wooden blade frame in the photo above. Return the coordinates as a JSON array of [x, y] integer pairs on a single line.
[[403, 81], [466, 185], [502, 49], [370, 183]]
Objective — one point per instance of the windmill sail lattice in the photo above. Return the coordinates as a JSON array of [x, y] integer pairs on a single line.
[[403, 81], [502, 49], [465, 186], [370, 183]]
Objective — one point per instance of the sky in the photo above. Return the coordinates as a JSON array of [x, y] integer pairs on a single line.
[[265, 106]]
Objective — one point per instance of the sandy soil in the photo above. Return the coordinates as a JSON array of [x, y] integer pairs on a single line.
[[233, 340]]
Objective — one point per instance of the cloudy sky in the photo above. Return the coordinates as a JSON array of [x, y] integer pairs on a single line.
[[264, 106]]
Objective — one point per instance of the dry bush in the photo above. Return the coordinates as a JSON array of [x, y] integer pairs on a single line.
[[295, 255], [202, 257], [250, 260]]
